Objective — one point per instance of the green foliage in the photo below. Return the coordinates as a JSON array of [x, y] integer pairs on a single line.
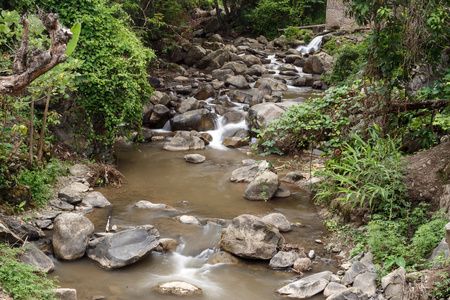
[[429, 235], [441, 288], [317, 120], [115, 62], [270, 15], [22, 280], [41, 179], [76, 29], [368, 174], [293, 33]]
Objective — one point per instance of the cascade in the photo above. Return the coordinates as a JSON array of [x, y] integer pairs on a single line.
[[314, 45]]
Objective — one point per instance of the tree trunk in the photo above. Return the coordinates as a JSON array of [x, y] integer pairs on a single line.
[[28, 68], [31, 134], [44, 120]]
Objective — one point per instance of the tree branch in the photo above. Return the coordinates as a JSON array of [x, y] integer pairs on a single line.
[[29, 67], [430, 104]]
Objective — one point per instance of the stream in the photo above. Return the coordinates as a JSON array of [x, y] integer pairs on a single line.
[[205, 192]]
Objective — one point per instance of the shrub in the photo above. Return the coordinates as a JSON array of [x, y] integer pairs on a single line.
[[22, 280], [293, 33]]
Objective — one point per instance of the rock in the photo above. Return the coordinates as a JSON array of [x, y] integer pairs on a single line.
[[238, 81], [195, 54], [250, 60], [262, 187], [150, 205], [23, 230], [311, 254], [71, 233], [349, 293], [447, 233], [167, 245], [188, 105], [356, 269], [145, 135], [260, 115], [282, 193], [213, 60], [189, 220], [441, 251], [318, 64], [63, 205], [366, 282], [283, 259], [274, 84], [233, 117], [393, 284], [222, 74], [194, 158], [303, 264], [161, 98], [306, 287], [291, 58], [256, 70], [263, 91], [235, 142], [185, 140], [72, 192], [242, 97], [204, 92], [222, 258], [65, 294], [116, 250], [292, 177], [279, 221], [198, 120], [216, 38], [35, 257], [42, 224], [333, 288], [183, 90], [80, 171], [159, 116], [238, 67], [178, 288], [96, 199], [244, 174], [249, 237]]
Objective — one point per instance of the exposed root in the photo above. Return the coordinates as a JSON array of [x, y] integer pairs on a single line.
[[105, 175]]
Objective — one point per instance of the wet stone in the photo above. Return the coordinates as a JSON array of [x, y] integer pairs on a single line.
[[179, 288], [63, 205]]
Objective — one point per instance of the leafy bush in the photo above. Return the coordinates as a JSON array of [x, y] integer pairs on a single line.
[[40, 180], [22, 280], [441, 288], [293, 33], [367, 174], [316, 121]]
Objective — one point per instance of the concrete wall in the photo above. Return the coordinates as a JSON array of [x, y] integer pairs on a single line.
[[336, 16]]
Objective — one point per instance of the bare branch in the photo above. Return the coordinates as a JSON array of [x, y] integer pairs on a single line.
[[29, 67]]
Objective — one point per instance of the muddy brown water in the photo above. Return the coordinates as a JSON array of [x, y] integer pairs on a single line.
[[204, 191]]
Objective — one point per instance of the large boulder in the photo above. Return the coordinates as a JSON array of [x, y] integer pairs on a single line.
[[284, 259], [198, 120], [71, 233], [319, 63], [213, 60], [96, 199], [238, 81], [262, 187], [73, 192], [274, 84], [159, 116], [204, 92], [260, 115], [279, 221], [188, 105], [195, 54], [394, 283], [307, 287], [238, 67], [185, 140], [222, 74], [116, 250], [250, 60], [35, 257], [349, 293], [258, 97], [249, 237], [244, 174]]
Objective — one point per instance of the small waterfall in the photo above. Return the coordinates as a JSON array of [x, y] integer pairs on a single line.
[[314, 45]]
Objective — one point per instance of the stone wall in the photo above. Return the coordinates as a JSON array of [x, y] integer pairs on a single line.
[[336, 16]]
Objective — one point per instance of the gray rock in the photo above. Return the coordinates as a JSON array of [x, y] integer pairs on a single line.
[[116, 250], [356, 269], [260, 115], [96, 199], [204, 92], [188, 105], [366, 282], [65, 294], [149, 205], [235, 142], [311, 254], [71, 233], [262, 187], [178, 288], [194, 158], [222, 74], [195, 54], [279, 221], [292, 177], [222, 258], [263, 91], [35, 257], [80, 171], [274, 84], [244, 174], [198, 120], [282, 193], [63, 205], [238, 67], [167, 245], [393, 284], [43, 223], [185, 219], [349, 294], [158, 117], [306, 287], [283, 259], [249, 237], [303, 264], [256, 70], [447, 232], [185, 140], [72, 193], [238, 81], [333, 288], [250, 60]]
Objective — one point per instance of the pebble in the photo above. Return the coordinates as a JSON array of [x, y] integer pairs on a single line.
[[319, 241]]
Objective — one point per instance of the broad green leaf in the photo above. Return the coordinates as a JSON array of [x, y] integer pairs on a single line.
[[76, 29]]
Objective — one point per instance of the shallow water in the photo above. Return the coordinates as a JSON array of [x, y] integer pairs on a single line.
[[204, 191]]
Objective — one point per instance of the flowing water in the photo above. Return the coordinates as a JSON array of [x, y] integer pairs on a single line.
[[204, 191]]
